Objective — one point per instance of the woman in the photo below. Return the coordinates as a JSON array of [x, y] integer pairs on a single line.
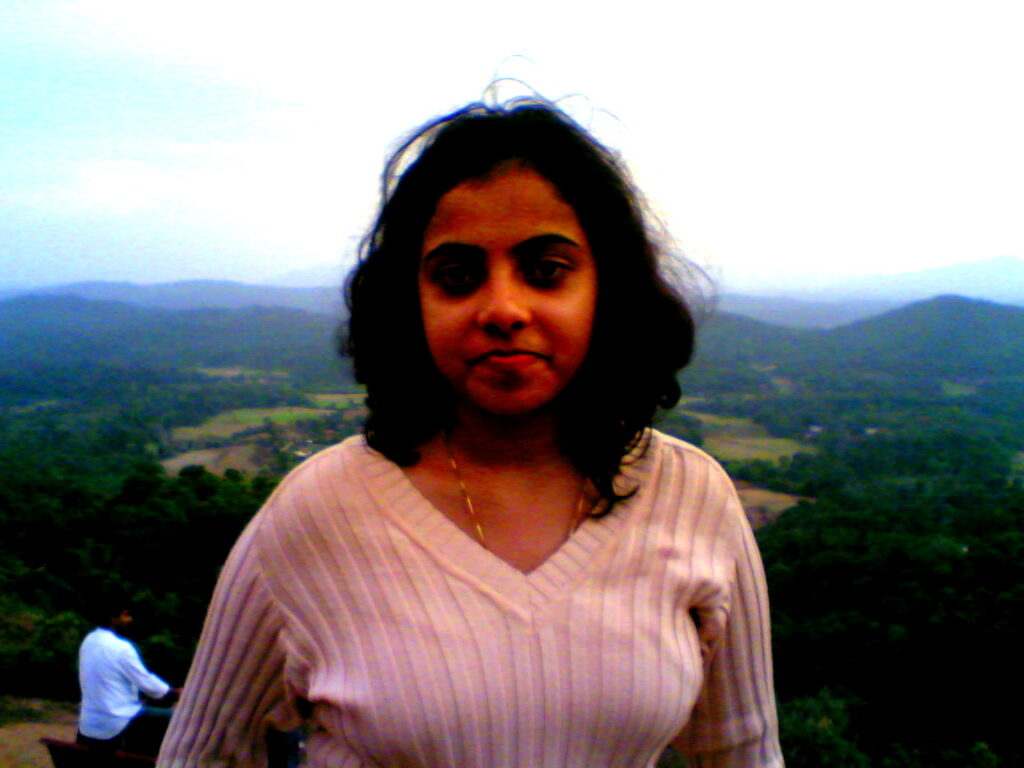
[[510, 568]]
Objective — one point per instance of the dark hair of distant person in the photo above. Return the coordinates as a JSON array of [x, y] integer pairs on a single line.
[[102, 606], [643, 332]]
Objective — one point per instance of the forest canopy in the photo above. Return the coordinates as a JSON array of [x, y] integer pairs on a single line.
[[897, 582]]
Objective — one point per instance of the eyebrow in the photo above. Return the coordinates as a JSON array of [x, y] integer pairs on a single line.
[[540, 242], [527, 247], [452, 249]]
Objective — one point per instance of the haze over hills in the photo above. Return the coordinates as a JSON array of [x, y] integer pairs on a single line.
[[949, 337], [803, 313], [1000, 280], [198, 294], [68, 330]]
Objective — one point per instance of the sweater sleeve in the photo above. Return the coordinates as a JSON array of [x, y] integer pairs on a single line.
[[131, 666], [734, 723], [236, 688]]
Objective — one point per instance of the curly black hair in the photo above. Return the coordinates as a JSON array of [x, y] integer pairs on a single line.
[[643, 332]]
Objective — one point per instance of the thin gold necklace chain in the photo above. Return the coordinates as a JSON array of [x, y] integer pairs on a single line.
[[574, 523]]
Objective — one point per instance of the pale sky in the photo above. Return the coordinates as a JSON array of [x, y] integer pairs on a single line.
[[782, 141]]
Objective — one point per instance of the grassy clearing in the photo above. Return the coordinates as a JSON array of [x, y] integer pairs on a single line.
[[251, 416], [216, 460], [731, 448], [38, 405], [732, 438], [953, 389], [234, 373], [1018, 464], [231, 423], [713, 423], [336, 399], [783, 385], [686, 400], [772, 502]]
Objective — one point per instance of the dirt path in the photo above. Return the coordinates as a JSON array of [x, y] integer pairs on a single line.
[[19, 737]]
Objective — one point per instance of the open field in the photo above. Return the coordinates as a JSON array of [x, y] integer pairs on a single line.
[[715, 423], [731, 438], [783, 385], [337, 400], [738, 448], [233, 373], [761, 505], [954, 389], [230, 423], [217, 460]]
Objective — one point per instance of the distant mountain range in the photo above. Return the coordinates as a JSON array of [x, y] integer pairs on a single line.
[[948, 337], [803, 313], [1000, 280], [197, 294], [64, 330]]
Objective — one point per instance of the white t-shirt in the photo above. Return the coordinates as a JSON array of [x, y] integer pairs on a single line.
[[111, 675]]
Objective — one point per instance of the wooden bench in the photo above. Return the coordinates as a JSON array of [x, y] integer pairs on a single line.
[[67, 754]]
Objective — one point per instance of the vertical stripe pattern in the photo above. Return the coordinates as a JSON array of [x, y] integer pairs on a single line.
[[353, 600]]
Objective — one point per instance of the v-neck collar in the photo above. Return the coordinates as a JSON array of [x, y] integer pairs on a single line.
[[524, 594]]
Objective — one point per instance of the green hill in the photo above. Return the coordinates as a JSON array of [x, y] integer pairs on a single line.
[[43, 331], [946, 337]]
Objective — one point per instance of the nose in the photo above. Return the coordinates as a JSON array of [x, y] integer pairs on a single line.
[[504, 306]]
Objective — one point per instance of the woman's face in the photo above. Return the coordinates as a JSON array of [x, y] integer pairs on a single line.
[[508, 287]]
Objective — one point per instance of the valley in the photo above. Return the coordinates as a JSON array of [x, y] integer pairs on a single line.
[[881, 462]]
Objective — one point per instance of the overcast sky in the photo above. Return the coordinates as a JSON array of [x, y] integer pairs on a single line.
[[782, 141]]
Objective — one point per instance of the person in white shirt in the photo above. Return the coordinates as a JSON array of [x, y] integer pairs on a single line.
[[111, 675]]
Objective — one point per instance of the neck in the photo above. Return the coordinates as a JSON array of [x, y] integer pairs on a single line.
[[508, 441]]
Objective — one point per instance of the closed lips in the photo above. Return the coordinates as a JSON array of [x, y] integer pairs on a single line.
[[508, 353]]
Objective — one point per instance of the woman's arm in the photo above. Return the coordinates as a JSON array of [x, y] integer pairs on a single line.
[[235, 689], [734, 723]]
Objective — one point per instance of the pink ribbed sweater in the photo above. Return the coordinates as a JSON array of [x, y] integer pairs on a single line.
[[351, 600]]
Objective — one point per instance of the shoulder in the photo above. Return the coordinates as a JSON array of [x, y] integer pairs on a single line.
[[664, 442], [329, 489], [326, 474], [323, 522], [111, 641], [670, 454], [92, 640], [685, 486], [93, 636], [351, 452]]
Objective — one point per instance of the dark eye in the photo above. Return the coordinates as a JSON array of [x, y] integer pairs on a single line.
[[546, 272], [457, 278]]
